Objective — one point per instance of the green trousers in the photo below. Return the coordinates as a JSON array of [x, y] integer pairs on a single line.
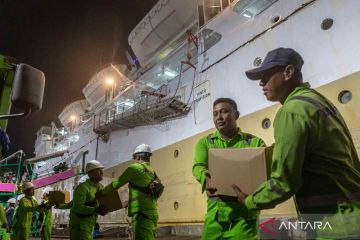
[[81, 228], [143, 227], [46, 232], [80, 231], [4, 235], [21, 233], [226, 222]]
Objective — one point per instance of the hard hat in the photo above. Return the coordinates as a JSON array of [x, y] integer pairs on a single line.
[[47, 190], [93, 164], [83, 179], [142, 148], [11, 200], [27, 185]]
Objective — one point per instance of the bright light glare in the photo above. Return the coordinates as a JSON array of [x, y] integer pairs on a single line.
[[109, 81], [170, 74], [72, 117]]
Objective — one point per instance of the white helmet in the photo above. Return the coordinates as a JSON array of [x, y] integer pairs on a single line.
[[27, 185], [93, 164], [12, 200], [47, 190], [142, 148]]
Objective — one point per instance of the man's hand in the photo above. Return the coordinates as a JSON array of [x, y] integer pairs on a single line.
[[99, 194], [45, 206], [210, 191], [240, 194], [101, 210]]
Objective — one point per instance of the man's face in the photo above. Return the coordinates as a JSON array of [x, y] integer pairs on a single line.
[[30, 192], [45, 196], [96, 175], [224, 117], [272, 83], [136, 158]]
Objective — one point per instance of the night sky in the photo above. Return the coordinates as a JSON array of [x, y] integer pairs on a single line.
[[69, 41]]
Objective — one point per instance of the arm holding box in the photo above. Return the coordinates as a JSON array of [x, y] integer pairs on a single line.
[[287, 162]]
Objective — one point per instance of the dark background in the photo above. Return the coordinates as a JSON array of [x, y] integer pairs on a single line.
[[69, 41]]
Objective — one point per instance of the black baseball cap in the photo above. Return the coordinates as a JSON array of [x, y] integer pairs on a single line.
[[276, 57]]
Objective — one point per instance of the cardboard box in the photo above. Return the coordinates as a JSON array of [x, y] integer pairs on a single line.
[[246, 167], [115, 200], [58, 197]]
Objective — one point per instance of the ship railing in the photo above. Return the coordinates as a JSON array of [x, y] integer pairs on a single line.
[[149, 109]]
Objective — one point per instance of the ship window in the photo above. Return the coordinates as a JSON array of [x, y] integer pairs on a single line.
[[345, 96], [266, 123], [212, 8], [207, 9], [176, 205], [327, 24], [251, 8], [176, 153], [210, 38]]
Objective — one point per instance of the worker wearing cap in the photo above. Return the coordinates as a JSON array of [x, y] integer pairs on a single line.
[[84, 208], [226, 218], [314, 157], [23, 216], [9, 212], [46, 224], [142, 207], [10, 209]]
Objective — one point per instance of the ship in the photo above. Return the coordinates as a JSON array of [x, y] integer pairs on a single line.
[[185, 55]]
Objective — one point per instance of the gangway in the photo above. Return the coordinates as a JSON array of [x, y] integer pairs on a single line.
[[8, 189]]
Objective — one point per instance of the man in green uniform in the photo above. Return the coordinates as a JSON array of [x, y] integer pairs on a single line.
[[24, 212], [46, 224], [226, 218], [84, 208], [4, 227], [9, 212], [142, 206], [314, 155]]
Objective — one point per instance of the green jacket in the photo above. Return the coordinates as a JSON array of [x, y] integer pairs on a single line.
[[314, 157], [46, 224], [141, 175], [226, 211], [23, 215], [3, 220], [84, 203]]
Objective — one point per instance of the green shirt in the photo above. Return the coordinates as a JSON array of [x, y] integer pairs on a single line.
[[142, 175], [24, 212], [2, 216], [84, 202], [47, 216], [314, 157], [226, 211]]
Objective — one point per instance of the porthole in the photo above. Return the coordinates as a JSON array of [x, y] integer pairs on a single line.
[[345, 96], [176, 153], [327, 23], [275, 19], [176, 205], [266, 123], [257, 62]]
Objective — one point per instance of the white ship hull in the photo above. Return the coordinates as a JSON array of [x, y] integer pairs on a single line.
[[332, 64]]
